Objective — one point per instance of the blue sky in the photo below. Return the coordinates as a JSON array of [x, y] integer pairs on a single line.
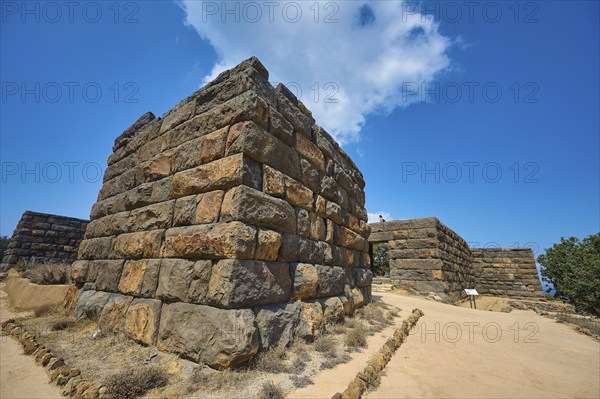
[[487, 118]]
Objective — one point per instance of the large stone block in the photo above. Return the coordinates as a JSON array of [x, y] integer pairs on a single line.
[[306, 280], [208, 207], [140, 277], [247, 283], [255, 207], [263, 147], [277, 324], [109, 273], [96, 248], [217, 337], [113, 313], [151, 217], [143, 244], [221, 174], [198, 292], [269, 243], [142, 320], [174, 279], [91, 303], [234, 240], [331, 280]]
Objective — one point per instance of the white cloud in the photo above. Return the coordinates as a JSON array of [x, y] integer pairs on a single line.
[[362, 60], [374, 217]]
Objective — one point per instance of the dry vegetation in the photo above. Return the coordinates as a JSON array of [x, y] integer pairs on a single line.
[[45, 273], [130, 370], [588, 325]]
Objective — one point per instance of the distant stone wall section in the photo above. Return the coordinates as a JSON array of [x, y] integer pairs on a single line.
[[426, 256], [509, 272], [45, 238], [232, 224]]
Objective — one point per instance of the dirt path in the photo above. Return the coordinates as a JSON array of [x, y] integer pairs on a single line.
[[20, 376], [328, 382], [467, 353]]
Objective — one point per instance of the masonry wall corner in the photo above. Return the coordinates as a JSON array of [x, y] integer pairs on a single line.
[[234, 211]]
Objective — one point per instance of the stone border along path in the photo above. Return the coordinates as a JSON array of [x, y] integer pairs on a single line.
[[60, 374], [376, 365]]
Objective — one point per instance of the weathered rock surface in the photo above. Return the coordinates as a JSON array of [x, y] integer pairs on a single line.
[[217, 337], [142, 319], [277, 324]]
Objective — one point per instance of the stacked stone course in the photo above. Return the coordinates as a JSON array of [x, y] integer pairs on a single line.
[[426, 256], [509, 272], [233, 223], [45, 238]]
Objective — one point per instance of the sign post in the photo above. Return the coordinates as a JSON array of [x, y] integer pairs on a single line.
[[472, 293]]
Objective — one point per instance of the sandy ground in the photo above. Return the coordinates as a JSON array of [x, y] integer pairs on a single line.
[[334, 380], [467, 353], [20, 376], [459, 352]]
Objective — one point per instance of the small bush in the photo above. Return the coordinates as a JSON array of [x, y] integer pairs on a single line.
[[270, 391], [46, 310], [327, 345], [62, 325], [48, 273], [392, 314], [301, 354], [329, 364], [356, 338], [352, 323], [212, 381], [339, 329], [301, 381], [272, 360], [134, 383], [581, 322], [373, 313]]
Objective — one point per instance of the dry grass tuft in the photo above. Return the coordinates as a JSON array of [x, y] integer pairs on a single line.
[[272, 360], [62, 324], [356, 338], [270, 391], [47, 310], [327, 345], [205, 380], [586, 324], [372, 313], [134, 383], [301, 381]]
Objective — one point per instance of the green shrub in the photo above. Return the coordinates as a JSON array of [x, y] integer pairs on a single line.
[[381, 260], [573, 268]]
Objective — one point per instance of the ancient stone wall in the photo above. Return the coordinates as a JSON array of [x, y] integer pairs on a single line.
[[508, 272], [45, 238], [426, 256], [231, 224]]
